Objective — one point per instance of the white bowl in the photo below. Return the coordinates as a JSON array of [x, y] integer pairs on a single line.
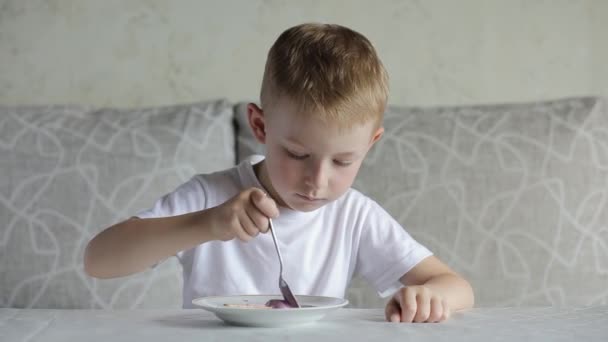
[[313, 308]]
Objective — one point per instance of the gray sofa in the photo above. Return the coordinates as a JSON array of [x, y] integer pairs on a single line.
[[513, 196]]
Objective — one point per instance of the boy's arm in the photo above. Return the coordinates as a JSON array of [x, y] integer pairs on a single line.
[[439, 278], [432, 291], [135, 244]]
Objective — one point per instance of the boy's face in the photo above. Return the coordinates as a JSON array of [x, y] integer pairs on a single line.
[[308, 163]]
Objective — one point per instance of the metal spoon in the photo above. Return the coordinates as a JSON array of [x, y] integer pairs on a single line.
[[285, 290]]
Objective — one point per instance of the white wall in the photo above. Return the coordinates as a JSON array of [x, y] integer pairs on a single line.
[[143, 52]]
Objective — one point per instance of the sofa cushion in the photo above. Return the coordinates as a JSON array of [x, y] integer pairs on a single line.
[[70, 171], [513, 196]]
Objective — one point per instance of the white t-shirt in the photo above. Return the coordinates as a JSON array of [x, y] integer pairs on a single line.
[[321, 250]]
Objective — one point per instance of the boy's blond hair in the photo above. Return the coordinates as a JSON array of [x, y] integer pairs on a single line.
[[327, 70]]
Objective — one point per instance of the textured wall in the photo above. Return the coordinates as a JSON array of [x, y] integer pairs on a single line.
[[143, 52]]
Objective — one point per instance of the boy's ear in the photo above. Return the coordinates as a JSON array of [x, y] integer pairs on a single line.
[[255, 116], [377, 135]]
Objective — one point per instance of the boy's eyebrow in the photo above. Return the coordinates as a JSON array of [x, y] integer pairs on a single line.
[[293, 142], [347, 154]]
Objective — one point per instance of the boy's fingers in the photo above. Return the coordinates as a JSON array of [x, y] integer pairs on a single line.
[[257, 195], [392, 311], [408, 305], [446, 310], [436, 313], [395, 317], [249, 224], [423, 307], [264, 203], [242, 235], [259, 221]]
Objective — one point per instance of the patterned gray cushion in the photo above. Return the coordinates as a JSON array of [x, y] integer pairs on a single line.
[[512, 196], [68, 172]]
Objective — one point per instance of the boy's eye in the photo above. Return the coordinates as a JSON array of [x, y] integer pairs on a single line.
[[295, 155], [342, 162]]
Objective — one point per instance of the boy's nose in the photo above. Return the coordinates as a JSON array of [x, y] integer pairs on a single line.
[[317, 175]]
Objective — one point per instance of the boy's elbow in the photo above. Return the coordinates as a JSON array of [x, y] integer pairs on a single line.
[[471, 300], [88, 263], [91, 267]]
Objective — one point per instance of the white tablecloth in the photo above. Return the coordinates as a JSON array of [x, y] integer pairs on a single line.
[[504, 324]]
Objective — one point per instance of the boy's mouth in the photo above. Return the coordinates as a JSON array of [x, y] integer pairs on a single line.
[[309, 198]]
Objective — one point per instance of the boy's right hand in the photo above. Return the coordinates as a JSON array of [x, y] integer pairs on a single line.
[[244, 216]]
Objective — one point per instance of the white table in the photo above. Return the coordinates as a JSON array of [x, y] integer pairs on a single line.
[[505, 324]]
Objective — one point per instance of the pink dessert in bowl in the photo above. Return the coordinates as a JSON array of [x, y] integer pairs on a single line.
[[278, 304], [271, 304]]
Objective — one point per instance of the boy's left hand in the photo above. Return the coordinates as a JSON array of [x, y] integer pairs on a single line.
[[417, 304]]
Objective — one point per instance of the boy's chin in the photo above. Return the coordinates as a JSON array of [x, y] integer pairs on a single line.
[[305, 207]]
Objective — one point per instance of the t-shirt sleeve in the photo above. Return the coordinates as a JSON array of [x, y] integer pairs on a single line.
[[386, 251], [188, 197]]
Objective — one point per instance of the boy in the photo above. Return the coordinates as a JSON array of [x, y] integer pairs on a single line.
[[323, 96]]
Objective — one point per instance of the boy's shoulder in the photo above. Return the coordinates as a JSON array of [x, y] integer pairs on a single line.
[[230, 180], [360, 211], [354, 199], [228, 173], [217, 179]]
